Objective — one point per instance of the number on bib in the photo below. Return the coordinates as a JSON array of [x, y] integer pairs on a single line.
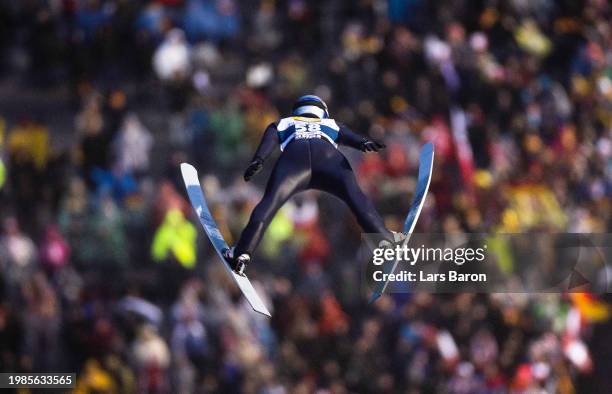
[[307, 130]]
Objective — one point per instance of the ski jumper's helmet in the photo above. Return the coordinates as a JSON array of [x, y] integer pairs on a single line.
[[310, 105]]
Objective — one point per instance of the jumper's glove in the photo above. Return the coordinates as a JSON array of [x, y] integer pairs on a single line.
[[253, 168], [371, 146]]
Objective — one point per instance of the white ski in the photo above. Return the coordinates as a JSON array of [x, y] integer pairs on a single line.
[[194, 190], [426, 157]]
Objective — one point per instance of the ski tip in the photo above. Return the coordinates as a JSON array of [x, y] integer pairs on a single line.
[[374, 297], [190, 175], [427, 148], [187, 167]]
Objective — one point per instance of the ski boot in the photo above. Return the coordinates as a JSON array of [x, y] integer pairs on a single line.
[[237, 264], [397, 238]]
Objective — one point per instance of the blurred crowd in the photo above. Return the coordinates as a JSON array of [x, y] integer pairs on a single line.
[[103, 270]]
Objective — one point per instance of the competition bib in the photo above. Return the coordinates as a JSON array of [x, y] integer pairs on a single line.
[[297, 128], [307, 130]]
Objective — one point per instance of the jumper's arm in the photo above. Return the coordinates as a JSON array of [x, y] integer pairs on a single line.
[[268, 142], [354, 140]]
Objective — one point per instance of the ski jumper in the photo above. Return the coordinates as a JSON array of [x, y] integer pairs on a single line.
[[309, 160]]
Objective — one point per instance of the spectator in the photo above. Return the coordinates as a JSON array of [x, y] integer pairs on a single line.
[[133, 145], [174, 239], [151, 358], [55, 251]]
